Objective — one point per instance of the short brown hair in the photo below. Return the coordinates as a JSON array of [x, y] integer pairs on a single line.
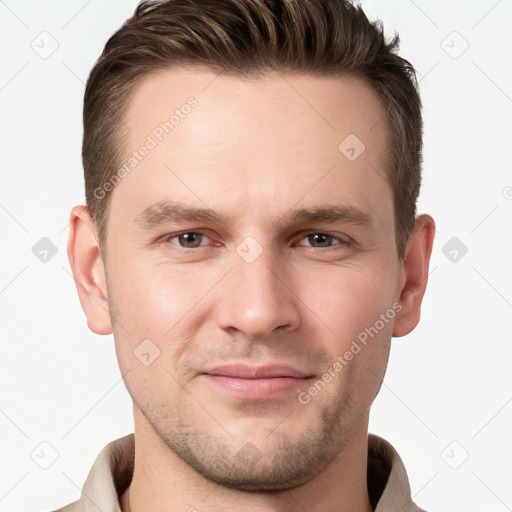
[[243, 38]]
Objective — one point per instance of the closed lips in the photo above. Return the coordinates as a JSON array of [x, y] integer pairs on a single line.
[[257, 372]]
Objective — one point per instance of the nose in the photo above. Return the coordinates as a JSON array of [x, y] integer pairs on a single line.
[[257, 297]]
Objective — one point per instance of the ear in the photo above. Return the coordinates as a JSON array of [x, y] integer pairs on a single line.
[[88, 271], [414, 275]]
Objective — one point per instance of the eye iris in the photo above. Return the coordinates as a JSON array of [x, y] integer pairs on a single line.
[[190, 240], [320, 238]]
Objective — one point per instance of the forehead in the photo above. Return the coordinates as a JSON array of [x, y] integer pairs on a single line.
[[275, 137], [335, 104]]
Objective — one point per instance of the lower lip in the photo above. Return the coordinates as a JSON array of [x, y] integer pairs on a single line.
[[257, 389]]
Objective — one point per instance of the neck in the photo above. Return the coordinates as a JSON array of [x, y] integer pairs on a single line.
[[163, 482]]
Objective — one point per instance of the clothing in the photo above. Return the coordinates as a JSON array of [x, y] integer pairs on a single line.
[[112, 473]]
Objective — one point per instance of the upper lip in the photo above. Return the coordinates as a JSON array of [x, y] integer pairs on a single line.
[[267, 371]]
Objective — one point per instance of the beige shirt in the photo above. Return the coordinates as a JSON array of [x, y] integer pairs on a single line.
[[112, 473]]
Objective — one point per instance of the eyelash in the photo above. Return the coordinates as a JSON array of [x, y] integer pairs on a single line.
[[342, 242]]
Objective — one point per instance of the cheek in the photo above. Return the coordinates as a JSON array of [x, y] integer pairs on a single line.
[[348, 301], [151, 298], [150, 333], [158, 303], [357, 307]]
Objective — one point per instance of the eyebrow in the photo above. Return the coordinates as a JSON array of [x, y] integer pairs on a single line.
[[172, 211], [332, 214], [165, 212]]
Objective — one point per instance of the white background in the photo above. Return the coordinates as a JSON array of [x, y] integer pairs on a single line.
[[449, 381]]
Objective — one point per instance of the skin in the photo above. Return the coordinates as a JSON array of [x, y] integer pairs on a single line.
[[253, 151]]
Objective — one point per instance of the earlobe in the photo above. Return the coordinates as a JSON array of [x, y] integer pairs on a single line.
[[86, 263], [414, 275]]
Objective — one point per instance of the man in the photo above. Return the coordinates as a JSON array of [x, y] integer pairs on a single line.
[[251, 240]]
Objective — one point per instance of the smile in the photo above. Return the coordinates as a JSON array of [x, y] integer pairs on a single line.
[[257, 382]]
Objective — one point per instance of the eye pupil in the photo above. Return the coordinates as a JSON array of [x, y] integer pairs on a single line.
[[190, 240], [320, 238]]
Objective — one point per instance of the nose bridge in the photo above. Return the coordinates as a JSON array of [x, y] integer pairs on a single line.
[[255, 298]]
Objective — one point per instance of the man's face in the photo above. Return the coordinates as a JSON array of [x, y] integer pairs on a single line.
[[253, 306]]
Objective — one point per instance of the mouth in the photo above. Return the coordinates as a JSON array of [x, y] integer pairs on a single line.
[[257, 382]]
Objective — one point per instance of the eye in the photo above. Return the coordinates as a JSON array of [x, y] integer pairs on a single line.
[[187, 240], [324, 240]]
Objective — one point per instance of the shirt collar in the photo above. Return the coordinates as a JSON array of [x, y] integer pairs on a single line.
[[112, 472]]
